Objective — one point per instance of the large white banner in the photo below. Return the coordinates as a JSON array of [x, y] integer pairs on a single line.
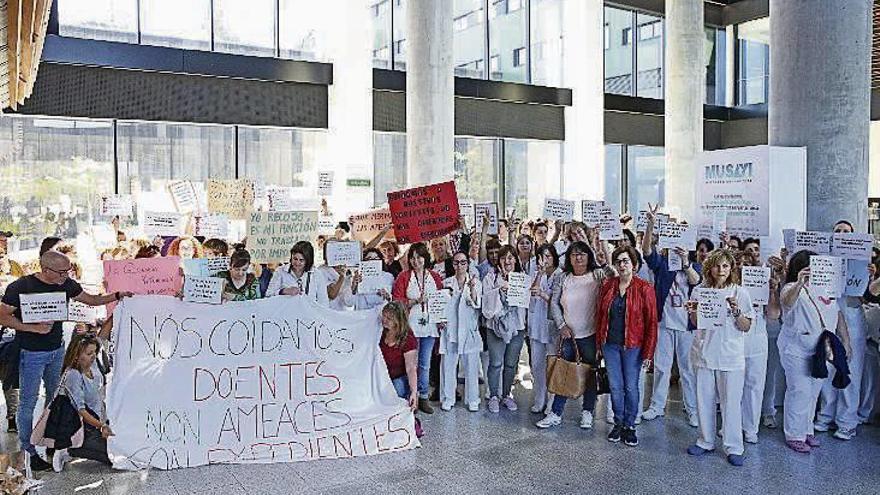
[[273, 380], [736, 181]]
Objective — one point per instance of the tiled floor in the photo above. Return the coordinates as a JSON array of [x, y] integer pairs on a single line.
[[479, 452]]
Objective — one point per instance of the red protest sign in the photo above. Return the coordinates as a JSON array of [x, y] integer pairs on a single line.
[[425, 212]]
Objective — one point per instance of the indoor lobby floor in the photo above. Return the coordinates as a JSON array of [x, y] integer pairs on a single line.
[[464, 452]]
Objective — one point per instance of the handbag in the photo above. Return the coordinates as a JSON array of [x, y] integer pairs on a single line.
[[568, 378], [603, 386], [59, 412]]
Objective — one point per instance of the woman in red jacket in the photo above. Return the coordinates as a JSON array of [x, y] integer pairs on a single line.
[[626, 334]]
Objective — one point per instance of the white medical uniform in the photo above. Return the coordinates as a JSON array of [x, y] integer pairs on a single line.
[[755, 373], [461, 340], [674, 340]]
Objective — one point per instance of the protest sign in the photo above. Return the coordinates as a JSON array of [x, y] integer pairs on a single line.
[[233, 198], [673, 235], [480, 211], [466, 211], [756, 280], [371, 277], [43, 308], [162, 223], [712, 308], [211, 226], [343, 253], [205, 267], [674, 263], [116, 205], [271, 234], [852, 246], [735, 182], [609, 225], [437, 302], [788, 240], [366, 226], [424, 213], [642, 221], [204, 290], [769, 246], [184, 195], [826, 276], [817, 242], [143, 276], [83, 313], [591, 216], [325, 183], [856, 278], [280, 198], [518, 289], [558, 209], [272, 380]]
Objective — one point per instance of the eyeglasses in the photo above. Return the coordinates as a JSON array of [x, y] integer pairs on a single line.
[[623, 261], [61, 273], [460, 262]]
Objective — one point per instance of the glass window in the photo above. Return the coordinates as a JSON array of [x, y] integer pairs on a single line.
[[303, 29], [389, 164], [112, 20], [245, 28], [532, 173], [716, 67], [613, 175], [176, 24], [53, 172], [619, 55], [646, 177], [280, 157], [469, 38], [649, 56], [753, 39], [380, 13], [399, 33], [477, 165], [507, 40], [546, 25]]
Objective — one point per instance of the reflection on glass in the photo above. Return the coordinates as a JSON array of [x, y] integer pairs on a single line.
[[112, 20], [532, 173], [279, 157], [646, 181], [389, 164], [245, 28], [754, 61], [469, 38], [302, 30], [618, 51], [650, 56], [398, 46], [189, 27], [613, 178], [507, 40], [477, 164], [715, 57], [546, 25], [380, 14]]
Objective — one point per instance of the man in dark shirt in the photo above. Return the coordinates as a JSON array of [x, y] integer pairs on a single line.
[[42, 352]]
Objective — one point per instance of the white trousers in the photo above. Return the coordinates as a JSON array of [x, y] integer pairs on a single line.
[[774, 384], [538, 355], [801, 394], [729, 387], [841, 406], [673, 343], [449, 378], [870, 399], [753, 393]]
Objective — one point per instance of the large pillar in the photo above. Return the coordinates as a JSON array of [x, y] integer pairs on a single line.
[[685, 88], [430, 105], [820, 98]]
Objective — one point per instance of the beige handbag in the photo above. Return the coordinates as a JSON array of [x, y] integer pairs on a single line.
[[568, 378]]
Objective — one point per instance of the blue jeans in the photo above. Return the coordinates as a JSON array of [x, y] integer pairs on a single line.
[[34, 366], [426, 347], [587, 350], [401, 386], [624, 366], [503, 362]]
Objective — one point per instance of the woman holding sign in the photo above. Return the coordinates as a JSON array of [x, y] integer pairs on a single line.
[[718, 355], [413, 287], [298, 277], [240, 285], [539, 321], [805, 316], [462, 335], [372, 293]]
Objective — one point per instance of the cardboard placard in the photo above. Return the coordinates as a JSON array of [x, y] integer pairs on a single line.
[[852, 246], [610, 228], [424, 213], [116, 205], [183, 192], [591, 214], [233, 198], [162, 223], [203, 290], [756, 280], [144, 276], [47, 307], [518, 292], [325, 183], [211, 226], [272, 234], [558, 209], [366, 226], [480, 210], [343, 253]]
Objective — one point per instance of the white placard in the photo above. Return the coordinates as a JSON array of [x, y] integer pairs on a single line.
[[437, 302], [642, 221], [184, 195], [518, 289], [211, 226], [673, 235], [280, 198], [162, 223], [817, 242], [217, 265], [343, 253], [591, 214], [736, 181], [852, 246], [769, 246], [788, 240], [558, 209], [711, 311], [83, 313], [466, 210], [674, 262], [205, 290], [47, 307], [857, 278], [480, 210], [116, 205], [609, 224], [371, 277], [826, 276], [325, 183], [756, 280]]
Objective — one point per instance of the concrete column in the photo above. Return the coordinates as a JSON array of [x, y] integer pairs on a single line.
[[820, 98], [430, 105], [685, 88]]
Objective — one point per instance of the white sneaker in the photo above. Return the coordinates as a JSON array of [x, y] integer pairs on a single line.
[[844, 434], [693, 420], [550, 420], [639, 419], [651, 414], [749, 438], [473, 407], [59, 459], [446, 407], [586, 420]]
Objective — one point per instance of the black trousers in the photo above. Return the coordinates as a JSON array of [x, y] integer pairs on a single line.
[[94, 445]]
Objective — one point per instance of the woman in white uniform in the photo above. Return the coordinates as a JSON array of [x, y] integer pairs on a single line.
[[298, 278], [804, 317], [461, 339], [718, 358], [372, 294], [539, 322]]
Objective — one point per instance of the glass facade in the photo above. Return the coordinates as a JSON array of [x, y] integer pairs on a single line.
[[645, 177], [614, 175], [618, 43], [380, 13], [389, 164], [282, 157], [477, 169], [303, 26], [649, 56], [508, 36], [189, 27], [469, 39], [532, 173], [245, 28], [753, 64], [111, 20], [716, 68], [546, 40]]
